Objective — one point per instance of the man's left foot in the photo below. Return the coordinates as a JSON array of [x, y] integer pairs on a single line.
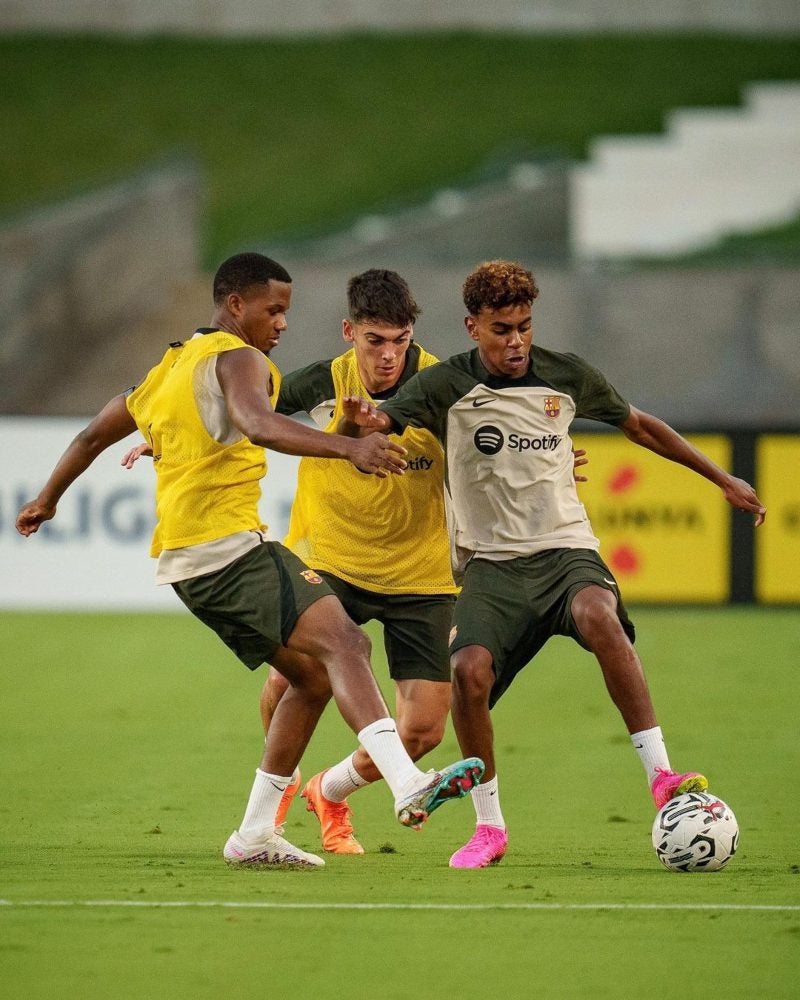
[[667, 784], [454, 782], [334, 819]]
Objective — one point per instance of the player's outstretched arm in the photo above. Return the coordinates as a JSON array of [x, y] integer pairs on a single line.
[[242, 379], [650, 432], [111, 425]]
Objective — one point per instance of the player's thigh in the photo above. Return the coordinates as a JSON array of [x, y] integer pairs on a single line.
[[254, 603], [587, 589], [497, 612], [416, 632], [325, 630]]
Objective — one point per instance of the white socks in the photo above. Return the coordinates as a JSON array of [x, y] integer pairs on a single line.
[[486, 799], [341, 780], [382, 743], [266, 794], [649, 744]]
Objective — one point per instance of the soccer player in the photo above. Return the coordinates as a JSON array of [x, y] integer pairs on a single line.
[[381, 545], [206, 414], [529, 558]]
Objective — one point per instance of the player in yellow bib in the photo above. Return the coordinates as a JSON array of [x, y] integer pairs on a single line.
[[206, 414], [381, 546]]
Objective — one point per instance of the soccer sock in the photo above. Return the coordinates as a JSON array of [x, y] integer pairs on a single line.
[[486, 799], [340, 780], [649, 744], [267, 791], [382, 743]]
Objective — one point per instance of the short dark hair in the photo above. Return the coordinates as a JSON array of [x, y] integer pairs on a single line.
[[243, 270], [381, 296], [496, 284]]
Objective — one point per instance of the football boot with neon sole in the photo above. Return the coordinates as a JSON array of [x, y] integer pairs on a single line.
[[485, 847], [667, 784], [454, 782], [268, 851], [334, 819]]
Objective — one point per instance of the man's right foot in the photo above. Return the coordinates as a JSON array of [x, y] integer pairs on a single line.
[[454, 782], [269, 851], [334, 819], [485, 847], [667, 784]]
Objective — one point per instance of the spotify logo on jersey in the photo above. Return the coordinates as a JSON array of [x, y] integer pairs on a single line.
[[488, 439]]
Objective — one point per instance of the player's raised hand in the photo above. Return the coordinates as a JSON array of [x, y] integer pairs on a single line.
[[742, 496], [132, 456], [377, 454], [32, 515], [363, 413]]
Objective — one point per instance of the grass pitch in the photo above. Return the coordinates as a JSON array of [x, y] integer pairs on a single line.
[[128, 744]]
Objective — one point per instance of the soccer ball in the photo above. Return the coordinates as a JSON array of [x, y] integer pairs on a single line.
[[695, 832]]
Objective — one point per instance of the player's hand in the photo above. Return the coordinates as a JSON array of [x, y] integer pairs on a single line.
[[31, 515], [742, 496], [378, 455], [362, 413], [132, 456], [578, 459]]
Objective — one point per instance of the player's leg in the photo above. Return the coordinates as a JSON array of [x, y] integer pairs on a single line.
[[243, 603], [491, 642], [273, 690], [416, 629], [327, 634], [600, 622]]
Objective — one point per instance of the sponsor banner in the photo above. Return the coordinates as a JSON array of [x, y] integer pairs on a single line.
[[777, 541], [664, 531], [94, 555]]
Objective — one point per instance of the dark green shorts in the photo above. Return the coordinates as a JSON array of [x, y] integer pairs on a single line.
[[416, 628], [513, 607], [254, 602]]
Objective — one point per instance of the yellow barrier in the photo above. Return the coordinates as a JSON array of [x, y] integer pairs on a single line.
[[664, 531], [777, 556]]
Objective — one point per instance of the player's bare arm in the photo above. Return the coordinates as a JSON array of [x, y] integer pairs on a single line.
[[111, 425], [242, 377], [650, 432]]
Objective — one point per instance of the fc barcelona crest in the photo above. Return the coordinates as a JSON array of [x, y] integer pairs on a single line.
[[552, 406], [311, 576]]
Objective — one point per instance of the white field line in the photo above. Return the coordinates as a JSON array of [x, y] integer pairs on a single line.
[[185, 904]]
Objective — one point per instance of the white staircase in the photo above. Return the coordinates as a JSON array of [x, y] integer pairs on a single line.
[[713, 172]]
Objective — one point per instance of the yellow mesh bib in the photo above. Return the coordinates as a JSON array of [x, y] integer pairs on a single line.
[[388, 535], [204, 489]]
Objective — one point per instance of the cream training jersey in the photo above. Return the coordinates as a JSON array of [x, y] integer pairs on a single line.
[[509, 466]]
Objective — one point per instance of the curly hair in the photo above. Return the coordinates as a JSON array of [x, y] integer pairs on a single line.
[[381, 296], [496, 284], [243, 270]]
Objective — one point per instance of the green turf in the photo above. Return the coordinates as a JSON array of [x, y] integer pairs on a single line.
[[128, 743], [298, 135]]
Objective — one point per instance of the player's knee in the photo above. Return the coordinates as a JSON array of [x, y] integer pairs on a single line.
[[472, 678], [421, 736], [595, 617]]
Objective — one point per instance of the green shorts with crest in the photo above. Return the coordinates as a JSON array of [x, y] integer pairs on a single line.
[[415, 627], [254, 602], [513, 607]]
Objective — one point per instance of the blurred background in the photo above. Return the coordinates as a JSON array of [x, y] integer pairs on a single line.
[[642, 158]]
